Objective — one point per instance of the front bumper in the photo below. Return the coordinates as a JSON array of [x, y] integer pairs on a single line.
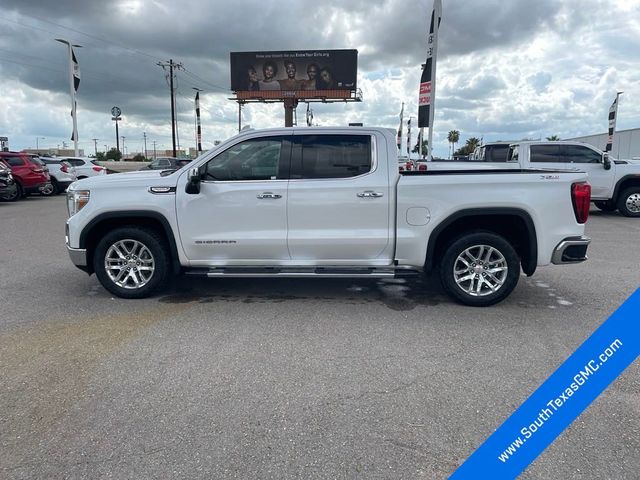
[[78, 256], [571, 250]]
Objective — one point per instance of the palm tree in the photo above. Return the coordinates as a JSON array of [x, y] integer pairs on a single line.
[[471, 144], [453, 137], [553, 138]]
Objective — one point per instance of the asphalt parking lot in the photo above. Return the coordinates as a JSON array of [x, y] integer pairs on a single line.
[[278, 378]]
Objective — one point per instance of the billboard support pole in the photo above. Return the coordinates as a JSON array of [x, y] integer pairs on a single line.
[[239, 117], [290, 105]]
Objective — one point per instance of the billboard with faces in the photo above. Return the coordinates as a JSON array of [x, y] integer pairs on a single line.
[[297, 73]]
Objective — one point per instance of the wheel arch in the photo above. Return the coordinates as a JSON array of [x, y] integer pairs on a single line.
[[514, 224], [625, 182], [105, 222]]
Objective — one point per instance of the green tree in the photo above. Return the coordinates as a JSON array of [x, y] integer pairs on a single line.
[[139, 158], [425, 147], [468, 147], [553, 138], [100, 156], [453, 137], [113, 154]]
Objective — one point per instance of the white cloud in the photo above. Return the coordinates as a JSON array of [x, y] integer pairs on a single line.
[[506, 69]]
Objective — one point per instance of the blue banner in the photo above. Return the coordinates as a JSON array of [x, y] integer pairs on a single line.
[[560, 399]]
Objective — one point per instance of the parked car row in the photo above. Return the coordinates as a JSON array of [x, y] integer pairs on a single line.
[[23, 174]]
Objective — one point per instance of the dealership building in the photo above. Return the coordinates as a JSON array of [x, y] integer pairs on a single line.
[[626, 143]]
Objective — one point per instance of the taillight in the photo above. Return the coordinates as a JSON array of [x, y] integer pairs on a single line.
[[64, 169], [97, 169], [581, 199], [422, 167], [407, 166]]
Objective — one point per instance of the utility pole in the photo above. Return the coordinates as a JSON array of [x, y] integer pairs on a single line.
[[124, 150], [95, 145], [171, 64], [144, 135]]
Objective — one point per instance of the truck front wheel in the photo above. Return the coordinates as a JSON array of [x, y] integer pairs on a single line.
[[131, 262], [480, 269], [629, 202]]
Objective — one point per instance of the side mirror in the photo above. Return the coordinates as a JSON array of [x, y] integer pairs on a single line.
[[606, 162], [193, 181]]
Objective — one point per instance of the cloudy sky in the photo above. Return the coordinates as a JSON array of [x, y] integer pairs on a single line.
[[507, 69]]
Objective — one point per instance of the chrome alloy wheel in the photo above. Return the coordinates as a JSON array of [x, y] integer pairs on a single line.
[[129, 264], [480, 270], [633, 203]]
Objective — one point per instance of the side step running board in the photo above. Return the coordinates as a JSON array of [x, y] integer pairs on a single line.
[[290, 272]]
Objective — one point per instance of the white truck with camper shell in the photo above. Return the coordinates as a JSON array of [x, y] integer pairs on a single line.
[[324, 202]]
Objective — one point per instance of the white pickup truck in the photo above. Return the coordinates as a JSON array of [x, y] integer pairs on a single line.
[[324, 202], [615, 183]]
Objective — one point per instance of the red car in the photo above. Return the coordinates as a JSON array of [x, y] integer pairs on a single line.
[[29, 175]]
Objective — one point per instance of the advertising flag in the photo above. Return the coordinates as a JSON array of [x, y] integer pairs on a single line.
[[613, 112], [198, 128], [409, 137], [399, 139], [75, 73], [428, 80], [76, 70]]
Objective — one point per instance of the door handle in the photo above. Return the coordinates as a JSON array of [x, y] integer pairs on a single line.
[[370, 194], [268, 195]]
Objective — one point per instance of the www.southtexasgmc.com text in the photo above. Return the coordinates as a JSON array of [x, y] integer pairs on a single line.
[[557, 403]]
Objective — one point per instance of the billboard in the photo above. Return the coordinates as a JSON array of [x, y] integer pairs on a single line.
[[327, 74]]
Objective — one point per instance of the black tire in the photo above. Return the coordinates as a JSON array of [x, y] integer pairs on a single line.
[[159, 254], [606, 206], [56, 186], [629, 202], [48, 191], [15, 196], [483, 273]]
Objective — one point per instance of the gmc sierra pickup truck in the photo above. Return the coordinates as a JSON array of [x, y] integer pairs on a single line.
[[325, 202]]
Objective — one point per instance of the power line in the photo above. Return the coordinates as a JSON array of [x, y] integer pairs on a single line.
[[95, 37], [188, 72]]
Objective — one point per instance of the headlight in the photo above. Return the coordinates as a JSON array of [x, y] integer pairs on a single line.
[[76, 200]]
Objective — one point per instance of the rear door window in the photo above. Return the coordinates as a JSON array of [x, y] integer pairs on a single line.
[[547, 154], [333, 156]]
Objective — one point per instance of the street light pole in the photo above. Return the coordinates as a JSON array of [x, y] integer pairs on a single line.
[[144, 134]]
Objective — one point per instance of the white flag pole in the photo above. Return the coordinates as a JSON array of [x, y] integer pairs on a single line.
[[437, 7]]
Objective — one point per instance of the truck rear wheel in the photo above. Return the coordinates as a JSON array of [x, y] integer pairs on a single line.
[[480, 269], [629, 202], [131, 262]]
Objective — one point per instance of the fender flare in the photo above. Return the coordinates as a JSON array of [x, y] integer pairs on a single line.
[[529, 267]]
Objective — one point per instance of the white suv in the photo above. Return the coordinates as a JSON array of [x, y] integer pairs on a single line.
[[62, 173], [86, 167]]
